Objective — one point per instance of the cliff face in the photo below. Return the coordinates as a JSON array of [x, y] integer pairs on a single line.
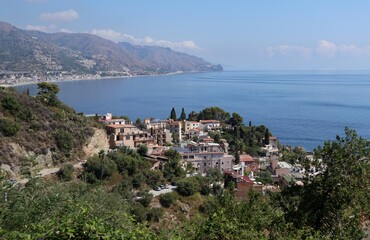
[[22, 50]]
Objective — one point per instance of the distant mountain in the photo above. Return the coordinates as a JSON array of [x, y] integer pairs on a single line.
[[22, 50]]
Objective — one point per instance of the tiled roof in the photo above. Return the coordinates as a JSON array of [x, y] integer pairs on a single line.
[[246, 158]]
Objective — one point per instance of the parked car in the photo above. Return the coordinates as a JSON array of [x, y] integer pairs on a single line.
[[156, 188], [162, 186]]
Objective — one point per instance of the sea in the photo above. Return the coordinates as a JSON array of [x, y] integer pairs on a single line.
[[301, 108]]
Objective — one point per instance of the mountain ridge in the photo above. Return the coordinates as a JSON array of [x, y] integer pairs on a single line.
[[35, 51]]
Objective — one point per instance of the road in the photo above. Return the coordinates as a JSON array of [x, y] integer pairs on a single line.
[[162, 191]]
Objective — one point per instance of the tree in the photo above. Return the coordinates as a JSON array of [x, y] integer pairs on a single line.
[[335, 200], [64, 141], [11, 104], [215, 113], [193, 116], [142, 150], [173, 114], [167, 200], [48, 93], [172, 170], [267, 137], [188, 186], [183, 115], [236, 120]]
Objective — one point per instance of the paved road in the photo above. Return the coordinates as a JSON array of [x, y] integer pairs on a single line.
[[162, 191]]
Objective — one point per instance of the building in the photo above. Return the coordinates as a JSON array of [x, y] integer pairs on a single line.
[[175, 128], [209, 125], [190, 125], [242, 184], [108, 120], [127, 135], [204, 156]]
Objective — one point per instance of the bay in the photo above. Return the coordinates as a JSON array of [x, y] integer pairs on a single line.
[[301, 108]]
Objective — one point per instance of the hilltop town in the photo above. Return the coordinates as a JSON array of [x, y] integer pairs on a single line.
[[201, 146]]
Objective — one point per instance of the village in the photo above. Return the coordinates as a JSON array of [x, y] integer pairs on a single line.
[[193, 141]]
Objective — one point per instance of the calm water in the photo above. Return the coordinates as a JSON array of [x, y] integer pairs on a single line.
[[300, 108]]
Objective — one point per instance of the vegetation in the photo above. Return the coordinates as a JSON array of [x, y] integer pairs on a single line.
[[41, 126], [173, 114], [167, 200], [101, 201]]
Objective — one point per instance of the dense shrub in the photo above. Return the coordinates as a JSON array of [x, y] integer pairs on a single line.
[[188, 186], [11, 104], [166, 200], [101, 167], [155, 214], [64, 141], [66, 172], [8, 127], [145, 199]]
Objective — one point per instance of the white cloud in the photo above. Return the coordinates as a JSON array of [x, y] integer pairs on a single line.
[[288, 51], [64, 16], [64, 30], [323, 48], [122, 37], [326, 48], [42, 28]]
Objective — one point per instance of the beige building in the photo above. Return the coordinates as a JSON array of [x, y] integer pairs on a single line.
[[127, 135]]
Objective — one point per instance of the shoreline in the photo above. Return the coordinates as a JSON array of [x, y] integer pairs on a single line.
[[100, 78]]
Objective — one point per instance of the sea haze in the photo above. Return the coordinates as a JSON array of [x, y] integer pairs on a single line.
[[300, 108]]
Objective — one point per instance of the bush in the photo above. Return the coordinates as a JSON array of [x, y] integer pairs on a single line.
[[8, 127], [10, 104], [188, 186], [154, 214], [66, 172], [146, 199], [101, 167], [64, 141], [166, 200], [142, 150]]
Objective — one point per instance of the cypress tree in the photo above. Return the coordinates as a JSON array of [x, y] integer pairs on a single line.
[[267, 137], [173, 114], [183, 115]]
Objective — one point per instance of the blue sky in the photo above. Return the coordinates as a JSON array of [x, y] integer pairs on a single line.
[[239, 34]]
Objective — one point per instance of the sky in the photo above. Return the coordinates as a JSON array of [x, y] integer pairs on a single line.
[[238, 34]]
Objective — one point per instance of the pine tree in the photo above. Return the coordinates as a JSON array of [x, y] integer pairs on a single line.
[[173, 114]]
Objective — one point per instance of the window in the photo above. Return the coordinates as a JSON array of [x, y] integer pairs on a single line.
[[122, 130], [128, 138]]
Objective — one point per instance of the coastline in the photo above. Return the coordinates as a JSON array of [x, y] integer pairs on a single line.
[[99, 78]]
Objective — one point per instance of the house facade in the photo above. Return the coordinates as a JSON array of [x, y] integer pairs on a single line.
[[127, 135], [204, 156]]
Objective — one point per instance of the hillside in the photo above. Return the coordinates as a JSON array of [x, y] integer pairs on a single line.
[[33, 133], [22, 50]]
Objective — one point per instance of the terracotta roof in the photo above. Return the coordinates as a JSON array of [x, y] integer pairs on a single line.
[[121, 126], [246, 179], [246, 158], [273, 138]]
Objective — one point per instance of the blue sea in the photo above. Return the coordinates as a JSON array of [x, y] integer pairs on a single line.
[[301, 108]]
